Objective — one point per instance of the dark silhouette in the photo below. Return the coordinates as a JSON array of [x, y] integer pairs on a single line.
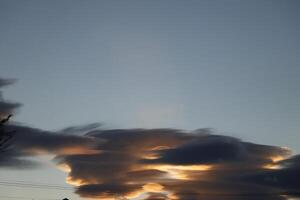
[[65, 199], [3, 121], [5, 137]]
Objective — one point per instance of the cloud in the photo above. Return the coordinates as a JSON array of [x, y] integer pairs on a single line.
[[156, 196], [5, 82], [285, 178], [108, 190], [28, 142], [7, 107], [16, 160], [212, 149], [155, 164], [179, 165], [150, 163], [80, 129]]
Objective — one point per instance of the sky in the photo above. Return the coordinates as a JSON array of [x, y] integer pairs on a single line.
[[228, 68]]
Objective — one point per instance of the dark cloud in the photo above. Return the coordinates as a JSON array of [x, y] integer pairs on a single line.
[[6, 107], [285, 178], [107, 190], [292, 162], [156, 196], [213, 149], [28, 142], [160, 163], [222, 188], [80, 129], [169, 163], [35, 139], [5, 82], [156, 164], [149, 175], [16, 160]]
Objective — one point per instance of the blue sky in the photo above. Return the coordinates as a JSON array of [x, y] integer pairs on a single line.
[[232, 65], [228, 65]]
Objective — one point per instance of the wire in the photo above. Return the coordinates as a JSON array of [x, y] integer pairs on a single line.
[[33, 185], [18, 197], [26, 184]]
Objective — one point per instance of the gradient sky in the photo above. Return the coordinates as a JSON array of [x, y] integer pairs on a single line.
[[228, 65]]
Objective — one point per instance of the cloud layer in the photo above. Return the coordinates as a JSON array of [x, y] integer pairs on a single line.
[[175, 164], [156, 164]]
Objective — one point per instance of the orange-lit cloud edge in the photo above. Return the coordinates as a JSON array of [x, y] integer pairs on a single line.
[[167, 175]]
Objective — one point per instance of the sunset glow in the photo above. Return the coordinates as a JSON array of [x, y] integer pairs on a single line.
[[153, 187]]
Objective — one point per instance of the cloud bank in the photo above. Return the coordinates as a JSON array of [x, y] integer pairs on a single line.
[[154, 164]]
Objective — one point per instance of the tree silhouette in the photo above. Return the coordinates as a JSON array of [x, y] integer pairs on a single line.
[[5, 136]]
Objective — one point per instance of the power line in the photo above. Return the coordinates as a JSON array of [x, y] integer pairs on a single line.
[[31, 198], [35, 185]]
